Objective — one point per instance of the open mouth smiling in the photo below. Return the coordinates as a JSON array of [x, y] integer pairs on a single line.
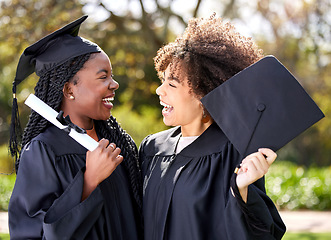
[[167, 108], [107, 101]]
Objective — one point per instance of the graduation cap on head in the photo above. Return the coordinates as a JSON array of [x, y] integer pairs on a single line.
[[53, 50], [44, 55], [262, 106]]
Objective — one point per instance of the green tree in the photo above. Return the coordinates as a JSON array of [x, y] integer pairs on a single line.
[[302, 41], [21, 24]]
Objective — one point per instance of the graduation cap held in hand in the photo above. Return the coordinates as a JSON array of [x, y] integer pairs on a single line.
[[262, 106]]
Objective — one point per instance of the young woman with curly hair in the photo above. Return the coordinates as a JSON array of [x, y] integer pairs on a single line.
[[187, 192], [63, 191]]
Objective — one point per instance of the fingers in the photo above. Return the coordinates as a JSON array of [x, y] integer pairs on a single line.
[[258, 163], [116, 151], [266, 154], [112, 146], [256, 166], [101, 162], [103, 143], [270, 155], [110, 150], [119, 159]]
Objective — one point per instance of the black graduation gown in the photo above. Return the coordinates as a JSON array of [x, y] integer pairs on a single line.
[[187, 196], [46, 200]]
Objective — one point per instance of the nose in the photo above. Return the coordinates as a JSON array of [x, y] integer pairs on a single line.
[[113, 85], [159, 91]]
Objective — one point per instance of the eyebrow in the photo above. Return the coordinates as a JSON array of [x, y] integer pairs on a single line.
[[174, 78], [102, 70]]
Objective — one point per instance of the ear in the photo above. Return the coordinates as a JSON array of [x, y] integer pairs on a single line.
[[67, 91]]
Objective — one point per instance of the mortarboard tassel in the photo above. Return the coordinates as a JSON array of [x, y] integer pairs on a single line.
[[52, 50], [15, 128]]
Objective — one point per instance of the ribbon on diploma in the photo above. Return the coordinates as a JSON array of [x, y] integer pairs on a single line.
[[67, 122], [61, 122]]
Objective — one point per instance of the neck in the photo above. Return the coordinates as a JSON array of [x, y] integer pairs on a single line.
[[82, 122], [195, 129], [91, 128], [92, 133]]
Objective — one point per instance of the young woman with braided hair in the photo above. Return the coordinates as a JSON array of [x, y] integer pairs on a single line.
[[187, 170], [63, 191]]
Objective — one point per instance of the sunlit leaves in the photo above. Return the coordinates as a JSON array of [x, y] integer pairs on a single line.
[[296, 187]]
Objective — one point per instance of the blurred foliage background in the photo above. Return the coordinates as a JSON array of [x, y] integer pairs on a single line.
[[297, 32]]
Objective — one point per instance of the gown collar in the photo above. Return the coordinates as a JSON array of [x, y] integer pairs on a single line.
[[209, 142]]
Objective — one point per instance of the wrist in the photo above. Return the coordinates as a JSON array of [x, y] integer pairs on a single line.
[[243, 193], [242, 188], [90, 180], [88, 186]]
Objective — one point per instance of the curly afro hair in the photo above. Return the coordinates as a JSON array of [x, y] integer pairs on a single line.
[[210, 51]]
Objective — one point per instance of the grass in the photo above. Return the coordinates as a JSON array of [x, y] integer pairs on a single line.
[[307, 236], [4, 236]]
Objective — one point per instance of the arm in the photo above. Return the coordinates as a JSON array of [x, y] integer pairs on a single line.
[[99, 165], [41, 208], [82, 215], [258, 217], [258, 211], [254, 167], [37, 186]]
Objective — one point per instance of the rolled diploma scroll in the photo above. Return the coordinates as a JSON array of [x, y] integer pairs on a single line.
[[50, 114]]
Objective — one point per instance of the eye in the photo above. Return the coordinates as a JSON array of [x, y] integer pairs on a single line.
[[171, 85], [106, 76]]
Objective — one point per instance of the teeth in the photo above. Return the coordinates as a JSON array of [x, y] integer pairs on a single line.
[[165, 105], [108, 100]]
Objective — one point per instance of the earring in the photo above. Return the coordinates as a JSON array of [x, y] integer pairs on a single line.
[[205, 117], [72, 97]]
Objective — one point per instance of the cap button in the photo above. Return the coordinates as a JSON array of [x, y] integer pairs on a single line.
[[261, 107]]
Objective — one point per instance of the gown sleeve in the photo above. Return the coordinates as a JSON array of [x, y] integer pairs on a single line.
[[263, 220], [39, 206], [259, 216]]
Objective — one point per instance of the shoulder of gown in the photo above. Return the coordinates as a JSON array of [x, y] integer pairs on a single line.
[[46, 200], [59, 142], [159, 142]]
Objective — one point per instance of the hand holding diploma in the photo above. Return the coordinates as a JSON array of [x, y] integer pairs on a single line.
[[100, 164], [101, 159]]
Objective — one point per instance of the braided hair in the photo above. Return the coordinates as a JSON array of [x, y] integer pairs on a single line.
[[49, 89], [210, 52]]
